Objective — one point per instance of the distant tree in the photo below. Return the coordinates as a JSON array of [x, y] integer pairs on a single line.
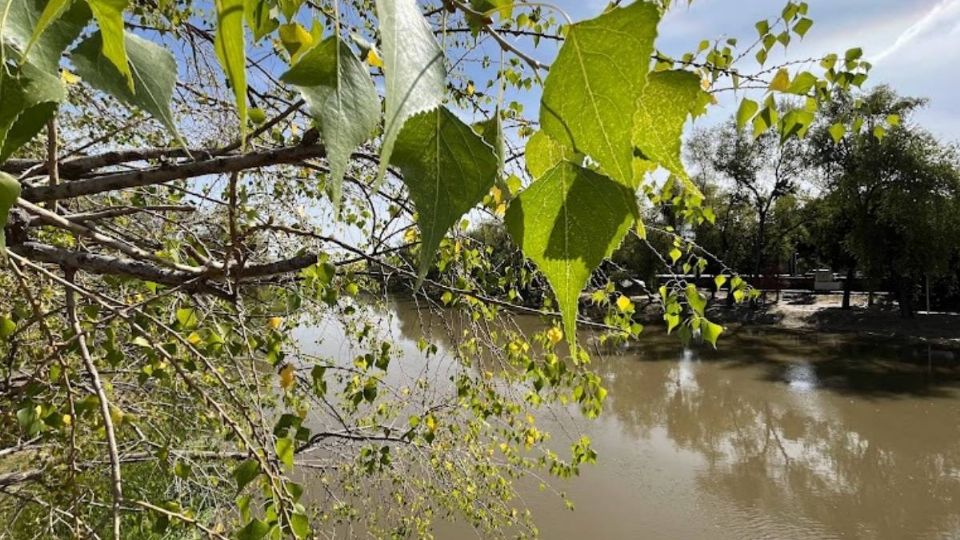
[[757, 172], [895, 190]]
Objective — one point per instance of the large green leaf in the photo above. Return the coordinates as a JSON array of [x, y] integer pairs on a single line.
[[109, 15], [567, 222], [543, 153], [591, 92], [154, 76], [664, 105], [415, 76], [447, 168], [342, 99], [29, 98], [20, 19], [230, 47], [9, 191]]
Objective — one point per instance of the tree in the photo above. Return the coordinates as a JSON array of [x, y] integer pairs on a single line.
[[169, 224], [762, 173], [894, 191]]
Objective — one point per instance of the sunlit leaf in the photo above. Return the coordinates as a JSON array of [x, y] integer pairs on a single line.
[[109, 15], [663, 108], [230, 46], [591, 92], [9, 191]]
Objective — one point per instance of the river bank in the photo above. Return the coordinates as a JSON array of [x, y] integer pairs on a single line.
[[822, 313]]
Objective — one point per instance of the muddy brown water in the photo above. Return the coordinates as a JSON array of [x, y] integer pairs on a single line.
[[775, 436]]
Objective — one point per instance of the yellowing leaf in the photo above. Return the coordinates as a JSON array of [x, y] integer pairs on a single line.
[[68, 77], [555, 335], [373, 58], [274, 322], [781, 81], [295, 39], [624, 304], [288, 377]]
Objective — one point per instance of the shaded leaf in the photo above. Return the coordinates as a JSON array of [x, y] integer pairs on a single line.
[[447, 169], [23, 17], [29, 99], [341, 98], [415, 76], [245, 472], [567, 222], [259, 20], [154, 75]]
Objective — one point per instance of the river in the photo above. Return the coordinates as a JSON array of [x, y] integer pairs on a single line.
[[774, 435]]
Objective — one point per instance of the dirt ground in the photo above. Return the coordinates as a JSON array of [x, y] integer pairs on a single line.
[[804, 311]]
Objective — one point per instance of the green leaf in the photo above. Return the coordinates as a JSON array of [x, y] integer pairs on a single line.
[[259, 20], [803, 26], [697, 303], [187, 317], [19, 31], [666, 102], [300, 525], [9, 191], [154, 76], [413, 67], [567, 222], [802, 83], [447, 169], [29, 99], [254, 530], [7, 326], [710, 332], [245, 472], [51, 12], [109, 15], [748, 108], [491, 132], [591, 92], [230, 47], [341, 98], [284, 448], [543, 153]]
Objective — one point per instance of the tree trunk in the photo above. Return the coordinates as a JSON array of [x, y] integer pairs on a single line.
[[847, 288], [905, 297]]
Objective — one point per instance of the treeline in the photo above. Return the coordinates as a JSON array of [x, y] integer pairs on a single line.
[[881, 207]]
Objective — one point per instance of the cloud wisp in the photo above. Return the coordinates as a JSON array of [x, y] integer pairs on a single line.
[[943, 11]]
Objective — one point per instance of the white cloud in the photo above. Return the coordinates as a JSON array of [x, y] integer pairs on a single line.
[[943, 11]]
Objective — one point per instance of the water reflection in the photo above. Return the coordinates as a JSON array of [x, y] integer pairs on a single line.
[[773, 436]]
